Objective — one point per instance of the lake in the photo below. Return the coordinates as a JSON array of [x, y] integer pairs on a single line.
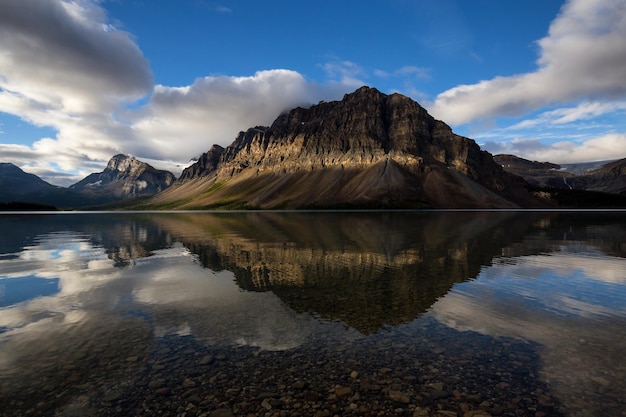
[[453, 313]]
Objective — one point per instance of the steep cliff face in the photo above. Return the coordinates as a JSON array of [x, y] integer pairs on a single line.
[[369, 149], [206, 164], [124, 177]]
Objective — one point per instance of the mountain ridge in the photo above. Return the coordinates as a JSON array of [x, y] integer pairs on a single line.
[[124, 178], [367, 150], [605, 176]]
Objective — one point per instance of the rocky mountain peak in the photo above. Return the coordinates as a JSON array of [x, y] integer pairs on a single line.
[[368, 148], [121, 163], [126, 176]]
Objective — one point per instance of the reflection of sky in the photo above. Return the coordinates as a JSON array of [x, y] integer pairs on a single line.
[[563, 283], [514, 295], [13, 291], [171, 286], [572, 303]]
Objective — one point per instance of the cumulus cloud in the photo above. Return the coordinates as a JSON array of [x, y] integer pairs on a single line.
[[601, 148], [182, 122], [584, 132], [64, 65], [582, 57], [65, 55]]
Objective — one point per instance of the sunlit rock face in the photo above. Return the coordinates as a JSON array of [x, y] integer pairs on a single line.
[[369, 149], [126, 176]]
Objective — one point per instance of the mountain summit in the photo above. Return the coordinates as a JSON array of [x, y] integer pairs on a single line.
[[124, 177], [367, 150]]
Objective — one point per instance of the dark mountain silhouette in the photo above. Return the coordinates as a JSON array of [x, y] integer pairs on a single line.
[[15, 183]]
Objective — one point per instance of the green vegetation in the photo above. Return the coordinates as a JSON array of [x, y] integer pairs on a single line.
[[371, 205], [282, 205], [226, 205], [214, 187]]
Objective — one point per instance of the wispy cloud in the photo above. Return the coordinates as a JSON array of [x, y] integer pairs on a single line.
[[223, 9], [584, 132], [346, 72], [408, 71], [600, 148]]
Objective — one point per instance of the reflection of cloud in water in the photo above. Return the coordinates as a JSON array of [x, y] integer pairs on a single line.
[[171, 289], [574, 305], [595, 266], [183, 297]]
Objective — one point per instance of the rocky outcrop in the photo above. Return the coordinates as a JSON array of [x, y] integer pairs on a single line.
[[367, 150], [126, 177], [206, 164]]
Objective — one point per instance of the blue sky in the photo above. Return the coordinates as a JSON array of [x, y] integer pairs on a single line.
[[163, 80]]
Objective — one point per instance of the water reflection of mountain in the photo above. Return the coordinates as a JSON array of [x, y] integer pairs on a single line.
[[365, 269], [124, 236]]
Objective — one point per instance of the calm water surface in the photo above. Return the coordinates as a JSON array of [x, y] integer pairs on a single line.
[[280, 314]]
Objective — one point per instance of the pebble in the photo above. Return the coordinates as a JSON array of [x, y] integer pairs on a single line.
[[367, 377]]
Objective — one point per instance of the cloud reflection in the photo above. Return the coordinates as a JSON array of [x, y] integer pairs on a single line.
[[572, 303]]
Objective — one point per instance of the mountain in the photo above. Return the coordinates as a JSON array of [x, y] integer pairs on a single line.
[[125, 177], [16, 184], [538, 174], [23, 191], [367, 150], [607, 177]]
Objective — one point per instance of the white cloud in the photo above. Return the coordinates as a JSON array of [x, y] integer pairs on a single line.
[[64, 55], [182, 122], [64, 66], [563, 135], [601, 148], [345, 72], [582, 57]]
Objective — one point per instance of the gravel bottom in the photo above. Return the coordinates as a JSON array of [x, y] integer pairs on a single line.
[[435, 371]]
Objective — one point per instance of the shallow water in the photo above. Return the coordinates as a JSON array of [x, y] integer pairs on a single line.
[[276, 313]]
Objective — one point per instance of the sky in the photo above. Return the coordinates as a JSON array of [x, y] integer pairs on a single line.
[[164, 80]]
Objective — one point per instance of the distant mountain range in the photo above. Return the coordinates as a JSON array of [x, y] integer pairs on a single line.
[[368, 150], [124, 177], [606, 176]]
